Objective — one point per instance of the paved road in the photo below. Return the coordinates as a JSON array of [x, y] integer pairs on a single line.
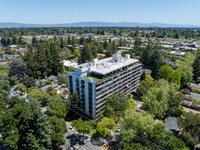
[[191, 110], [74, 138]]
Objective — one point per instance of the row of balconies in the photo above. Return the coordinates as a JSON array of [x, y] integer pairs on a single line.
[[119, 75], [128, 73], [135, 74], [98, 109], [106, 96], [118, 86], [99, 103]]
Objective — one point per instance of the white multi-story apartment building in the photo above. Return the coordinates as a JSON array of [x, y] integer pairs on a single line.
[[96, 81]]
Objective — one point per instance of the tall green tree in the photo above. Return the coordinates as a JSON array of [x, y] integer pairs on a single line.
[[38, 126], [169, 74], [165, 71], [104, 127], [73, 41], [143, 76], [18, 69], [24, 126], [62, 42], [144, 85], [119, 102], [94, 50], [162, 100], [140, 131], [196, 68], [84, 127], [55, 55], [138, 42], [34, 40], [86, 55], [184, 66], [156, 64], [147, 54], [81, 40], [69, 40], [58, 106], [20, 40], [9, 41], [40, 61], [190, 123], [77, 53], [105, 44], [4, 40], [58, 128], [14, 40], [74, 99], [175, 77]]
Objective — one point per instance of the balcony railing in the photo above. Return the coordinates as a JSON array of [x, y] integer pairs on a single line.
[[115, 85], [107, 95], [128, 73], [135, 66]]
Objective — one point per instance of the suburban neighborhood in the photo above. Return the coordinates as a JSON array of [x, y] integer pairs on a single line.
[[95, 75]]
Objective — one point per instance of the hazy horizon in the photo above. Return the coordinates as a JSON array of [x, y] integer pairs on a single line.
[[101, 22], [184, 12]]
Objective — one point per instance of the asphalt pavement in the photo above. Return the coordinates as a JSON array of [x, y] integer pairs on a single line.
[[75, 139]]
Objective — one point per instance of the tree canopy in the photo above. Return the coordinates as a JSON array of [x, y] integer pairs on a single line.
[[118, 103], [23, 122], [196, 68], [144, 85], [104, 127], [45, 61], [162, 100], [191, 128], [139, 131], [170, 75], [184, 66]]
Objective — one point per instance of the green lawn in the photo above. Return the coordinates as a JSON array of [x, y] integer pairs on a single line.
[[94, 78], [131, 103], [98, 79]]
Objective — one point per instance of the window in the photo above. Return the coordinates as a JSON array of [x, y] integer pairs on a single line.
[[90, 97]]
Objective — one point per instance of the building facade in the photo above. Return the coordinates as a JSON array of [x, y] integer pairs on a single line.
[[96, 81]]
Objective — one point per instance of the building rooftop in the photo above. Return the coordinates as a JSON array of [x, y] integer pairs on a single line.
[[194, 96], [107, 65], [171, 125], [195, 86], [179, 53], [70, 63]]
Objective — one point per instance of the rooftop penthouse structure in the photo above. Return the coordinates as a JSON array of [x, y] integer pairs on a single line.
[[96, 81]]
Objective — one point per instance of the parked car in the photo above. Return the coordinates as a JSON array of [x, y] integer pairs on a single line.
[[76, 147]]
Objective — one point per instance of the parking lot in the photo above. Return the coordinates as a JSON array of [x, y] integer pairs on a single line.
[[76, 141]]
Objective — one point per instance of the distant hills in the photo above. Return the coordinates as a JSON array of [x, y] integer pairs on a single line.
[[94, 24]]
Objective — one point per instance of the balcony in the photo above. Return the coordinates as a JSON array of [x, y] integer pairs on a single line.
[[136, 69], [124, 81], [106, 95]]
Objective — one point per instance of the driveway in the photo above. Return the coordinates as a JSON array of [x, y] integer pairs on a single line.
[[138, 104]]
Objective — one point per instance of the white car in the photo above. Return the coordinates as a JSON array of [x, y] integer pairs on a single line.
[[76, 147]]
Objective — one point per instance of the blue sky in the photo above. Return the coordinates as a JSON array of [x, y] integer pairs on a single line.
[[67, 11]]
